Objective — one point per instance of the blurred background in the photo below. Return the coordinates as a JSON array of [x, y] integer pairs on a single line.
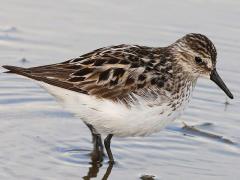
[[39, 140]]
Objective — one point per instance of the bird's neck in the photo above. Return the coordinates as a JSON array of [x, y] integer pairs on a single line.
[[176, 77]]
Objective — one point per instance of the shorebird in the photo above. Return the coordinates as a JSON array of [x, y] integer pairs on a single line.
[[129, 90]]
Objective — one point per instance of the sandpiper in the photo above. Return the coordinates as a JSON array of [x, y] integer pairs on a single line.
[[129, 90]]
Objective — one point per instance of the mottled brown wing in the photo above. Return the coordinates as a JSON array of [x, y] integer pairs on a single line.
[[114, 73], [102, 76], [110, 81]]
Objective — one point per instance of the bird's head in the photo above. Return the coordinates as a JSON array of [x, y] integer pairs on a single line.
[[197, 55]]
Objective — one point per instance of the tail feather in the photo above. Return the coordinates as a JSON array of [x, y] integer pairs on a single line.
[[36, 74], [18, 70], [14, 69]]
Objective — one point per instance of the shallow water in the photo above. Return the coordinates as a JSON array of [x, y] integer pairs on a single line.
[[39, 140]]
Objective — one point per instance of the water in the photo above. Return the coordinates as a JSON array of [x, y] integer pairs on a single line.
[[39, 140]]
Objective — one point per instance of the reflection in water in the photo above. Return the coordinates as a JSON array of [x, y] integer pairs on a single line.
[[94, 169], [82, 156], [108, 171], [226, 104], [97, 156]]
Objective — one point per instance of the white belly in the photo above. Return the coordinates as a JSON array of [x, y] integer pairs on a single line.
[[108, 117]]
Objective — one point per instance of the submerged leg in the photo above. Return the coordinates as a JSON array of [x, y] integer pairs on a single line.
[[107, 143]]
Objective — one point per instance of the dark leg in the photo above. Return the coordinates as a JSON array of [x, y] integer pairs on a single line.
[[98, 151], [107, 142], [96, 138], [90, 127], [98, 144]]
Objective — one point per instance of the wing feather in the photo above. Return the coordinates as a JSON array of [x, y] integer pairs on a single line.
[[114, 73]]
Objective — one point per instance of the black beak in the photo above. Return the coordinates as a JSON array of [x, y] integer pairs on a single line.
[[217, 79]]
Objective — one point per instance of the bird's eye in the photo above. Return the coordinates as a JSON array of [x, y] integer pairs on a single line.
[[198, 60]]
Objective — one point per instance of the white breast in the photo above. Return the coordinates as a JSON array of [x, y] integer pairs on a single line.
[[108, 117]]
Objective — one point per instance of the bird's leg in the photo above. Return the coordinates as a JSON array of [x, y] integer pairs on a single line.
[[96, 138], [99, 143], [107, 143], [91, 128], [98, 151], [98, 147]]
